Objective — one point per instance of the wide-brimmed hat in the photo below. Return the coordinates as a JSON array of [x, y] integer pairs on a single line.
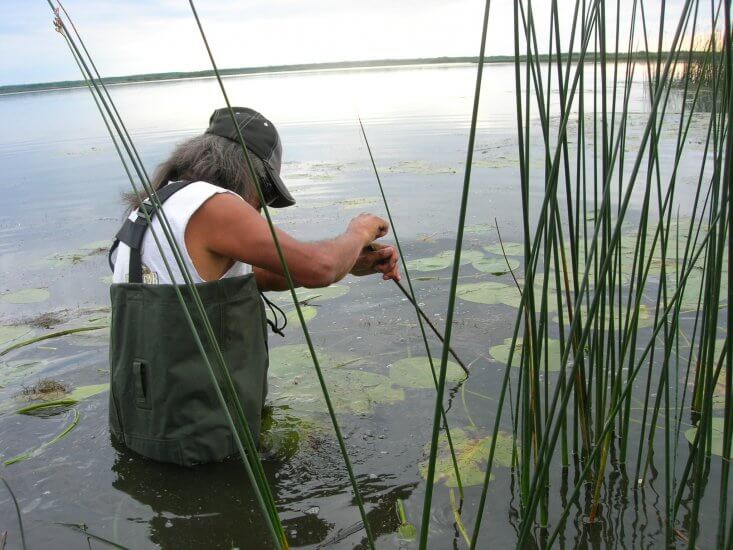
[[261, 138]]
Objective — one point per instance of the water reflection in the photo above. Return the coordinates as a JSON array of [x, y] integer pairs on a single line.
[[212, 506]]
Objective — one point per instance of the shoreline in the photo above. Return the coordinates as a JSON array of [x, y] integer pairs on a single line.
[[14, 89]]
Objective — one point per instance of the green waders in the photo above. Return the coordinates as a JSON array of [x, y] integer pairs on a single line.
[[162, 401]]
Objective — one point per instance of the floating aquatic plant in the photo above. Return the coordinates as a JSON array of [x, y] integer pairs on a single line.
[[26, 296], [354, 391], [414, 372], [406, 530], [58, 437], [10, 333], [489, 293], [496, 266], [510, 249], [501, 353], [283, 434], [472, 452]]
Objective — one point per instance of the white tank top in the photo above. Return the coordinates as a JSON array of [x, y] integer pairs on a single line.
[[178, 208]]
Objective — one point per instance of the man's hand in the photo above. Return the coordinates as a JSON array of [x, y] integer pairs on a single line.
[[369, 227], [378, 258]]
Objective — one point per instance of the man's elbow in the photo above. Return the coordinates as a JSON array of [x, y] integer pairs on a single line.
[[321, 271]]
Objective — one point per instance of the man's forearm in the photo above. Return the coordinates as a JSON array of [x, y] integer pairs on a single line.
[[331, 261]]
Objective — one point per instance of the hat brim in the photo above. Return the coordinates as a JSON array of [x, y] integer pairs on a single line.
[[283, 198]]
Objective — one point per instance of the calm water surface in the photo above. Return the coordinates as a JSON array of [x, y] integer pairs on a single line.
[[61, 185]]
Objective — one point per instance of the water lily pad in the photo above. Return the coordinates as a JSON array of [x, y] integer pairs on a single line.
[[489, 293], [691, 293], [472, 454], [500, 353], [26, 296], [510, 249], [645, 318], [84, 392], [309, 312], [443, 260], [433, 263], [467, 256], [496, 266], [90, 338], [314, 295], [293, 382], [11, 333], [61, 401], [716, 435], [414, 372]]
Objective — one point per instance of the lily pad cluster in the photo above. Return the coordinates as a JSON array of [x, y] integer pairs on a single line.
[[472, 448], [293, 382], [443, 260]]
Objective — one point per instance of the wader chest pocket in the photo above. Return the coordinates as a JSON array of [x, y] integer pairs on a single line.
[[141, 375]]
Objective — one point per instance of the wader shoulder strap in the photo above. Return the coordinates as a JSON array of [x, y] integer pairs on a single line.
[[132, 232]]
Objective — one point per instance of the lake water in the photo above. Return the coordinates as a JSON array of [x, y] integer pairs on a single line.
[[61, 185]]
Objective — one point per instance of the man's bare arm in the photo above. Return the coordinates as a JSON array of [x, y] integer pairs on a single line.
[[234, 229]]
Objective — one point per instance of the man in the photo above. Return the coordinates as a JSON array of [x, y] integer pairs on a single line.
[[162, 402]]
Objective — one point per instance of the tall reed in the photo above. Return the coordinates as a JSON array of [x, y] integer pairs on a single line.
[[624, 263]]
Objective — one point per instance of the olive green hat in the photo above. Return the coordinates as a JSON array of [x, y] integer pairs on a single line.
[[261, 138]]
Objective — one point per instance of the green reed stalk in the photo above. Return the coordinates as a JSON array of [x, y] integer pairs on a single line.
[[626, 390], [17, 512], [243, 437], [418, 313], [614, 241], [728, 182], [452, 293], [291, 285]]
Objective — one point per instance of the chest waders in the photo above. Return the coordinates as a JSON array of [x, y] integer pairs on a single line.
[[162, 402]]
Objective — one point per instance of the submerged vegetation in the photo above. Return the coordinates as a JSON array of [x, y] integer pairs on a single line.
[[618, 371]]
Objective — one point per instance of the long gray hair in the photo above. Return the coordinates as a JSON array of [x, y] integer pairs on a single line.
[[212, 159]]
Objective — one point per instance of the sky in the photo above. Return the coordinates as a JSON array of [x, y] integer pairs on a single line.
[[145, 36]]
